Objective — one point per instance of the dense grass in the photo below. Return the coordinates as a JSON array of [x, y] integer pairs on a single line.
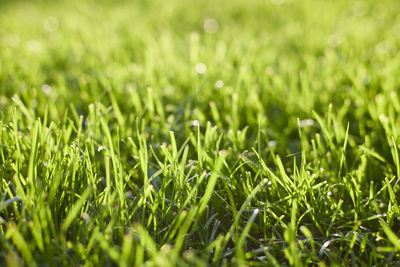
[[199, 132]]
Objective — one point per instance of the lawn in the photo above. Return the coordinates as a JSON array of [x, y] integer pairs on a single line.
[[197, 133]]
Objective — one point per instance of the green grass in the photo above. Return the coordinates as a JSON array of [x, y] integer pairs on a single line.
[[194, 133]]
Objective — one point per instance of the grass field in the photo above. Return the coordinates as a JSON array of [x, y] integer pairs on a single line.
[[195, 133]]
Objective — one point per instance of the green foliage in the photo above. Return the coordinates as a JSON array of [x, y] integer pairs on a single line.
[[180, 133]]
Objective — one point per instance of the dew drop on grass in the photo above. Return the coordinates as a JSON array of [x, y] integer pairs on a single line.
[[201, 68], [85, 217], [46, 89], [219, 84], [324, 247], [211, 25], [268, 182], [272, 143], [306, 122]]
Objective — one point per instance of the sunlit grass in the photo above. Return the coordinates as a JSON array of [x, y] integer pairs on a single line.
[[199, 133]]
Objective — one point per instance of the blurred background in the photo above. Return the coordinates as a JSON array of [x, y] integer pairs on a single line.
[[279, 58]]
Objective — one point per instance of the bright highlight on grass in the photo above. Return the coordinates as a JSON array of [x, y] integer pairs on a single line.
[[198, 133]]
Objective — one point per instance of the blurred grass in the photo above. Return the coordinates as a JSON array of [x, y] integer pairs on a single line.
[[158, 44]]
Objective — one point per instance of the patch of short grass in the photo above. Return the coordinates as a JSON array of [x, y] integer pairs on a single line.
[[174, 133]]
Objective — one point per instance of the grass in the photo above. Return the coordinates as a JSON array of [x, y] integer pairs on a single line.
[[194, 133]]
